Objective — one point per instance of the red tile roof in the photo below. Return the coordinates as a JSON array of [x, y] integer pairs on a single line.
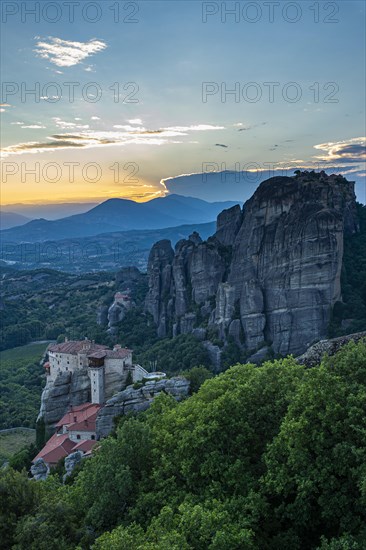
[[86, 425], [81, 413], [57, 447], [74, 347], [92, 350], [60, 446], [86, 445], [120, 353]]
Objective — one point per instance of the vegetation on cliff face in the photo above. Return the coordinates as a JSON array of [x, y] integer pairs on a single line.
[[259, 458]]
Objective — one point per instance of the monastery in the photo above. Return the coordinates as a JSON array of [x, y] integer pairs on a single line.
[[108, 370]]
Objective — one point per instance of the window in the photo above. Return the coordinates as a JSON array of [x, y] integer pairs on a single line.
[[78, 436], [67, 368], [93, 436]]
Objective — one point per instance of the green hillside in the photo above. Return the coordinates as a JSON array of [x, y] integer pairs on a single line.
[[260, 458]]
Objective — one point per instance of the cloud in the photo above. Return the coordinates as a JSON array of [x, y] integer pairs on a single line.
[[17, 123], [92, 118], [83, 140], [50, 97], [135, 121], [251, 127], [347, 151], [221, 145], [121, 135], [65, 53], [69, 125], [34, 127], [196, 128]]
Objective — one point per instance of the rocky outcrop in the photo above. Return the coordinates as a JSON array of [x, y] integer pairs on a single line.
[[271, 273], [68, 389], [137, 400], [160, 283], [116, 313], [228, 224], [71, 461], [127, 281], [315, 353], [39, 470], [102, 315]]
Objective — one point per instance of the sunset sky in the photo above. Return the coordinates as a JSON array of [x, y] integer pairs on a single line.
[[297, 98]]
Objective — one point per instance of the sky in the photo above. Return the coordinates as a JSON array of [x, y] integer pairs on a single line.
[[131, 96]]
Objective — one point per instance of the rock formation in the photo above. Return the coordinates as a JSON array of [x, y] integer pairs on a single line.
[[315, 353], [127, 282], [271, 273], [39, 470], [136, 400], [71, 461], [68, 389]]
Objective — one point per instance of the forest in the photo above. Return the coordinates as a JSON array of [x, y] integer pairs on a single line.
[[259, 458]]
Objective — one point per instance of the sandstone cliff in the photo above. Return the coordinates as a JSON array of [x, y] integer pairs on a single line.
[[271, 273]]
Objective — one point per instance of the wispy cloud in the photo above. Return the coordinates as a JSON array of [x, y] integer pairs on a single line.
[[65, 53], [347, 151], [121, 135], [246, 128], [194, 128], [69, 125], [34, 127], [135, 121]]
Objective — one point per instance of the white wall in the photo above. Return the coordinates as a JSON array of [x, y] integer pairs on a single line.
[[139, 373], [97, 384], [83, 436], [62, 362]]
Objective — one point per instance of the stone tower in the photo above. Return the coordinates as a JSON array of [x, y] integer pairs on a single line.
[[96, 374]]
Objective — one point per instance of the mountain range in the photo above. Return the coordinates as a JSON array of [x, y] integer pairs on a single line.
[[51, 211], [12, 219], [119, 215]]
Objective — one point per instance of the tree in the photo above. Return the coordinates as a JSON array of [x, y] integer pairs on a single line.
[[18, 497]]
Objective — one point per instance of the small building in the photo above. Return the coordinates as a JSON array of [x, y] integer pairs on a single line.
[[76, 431]]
